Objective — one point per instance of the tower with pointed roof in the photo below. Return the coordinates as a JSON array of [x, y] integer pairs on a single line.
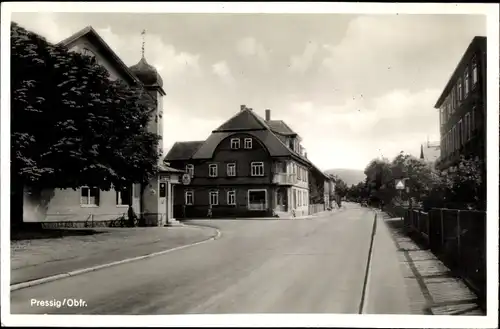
[[160, 187]]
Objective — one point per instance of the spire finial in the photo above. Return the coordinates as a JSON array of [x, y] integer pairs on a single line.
[[143, 34]]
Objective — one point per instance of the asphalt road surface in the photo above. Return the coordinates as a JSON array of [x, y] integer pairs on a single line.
[[257, 266]]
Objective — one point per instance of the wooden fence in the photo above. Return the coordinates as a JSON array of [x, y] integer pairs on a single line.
[[458, 237], [316, 207]]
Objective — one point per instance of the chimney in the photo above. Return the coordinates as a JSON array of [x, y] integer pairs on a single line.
[[242, 107], [268, 115], [305, 155]]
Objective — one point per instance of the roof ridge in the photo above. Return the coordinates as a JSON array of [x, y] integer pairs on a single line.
[[90, 29], [248, 110]]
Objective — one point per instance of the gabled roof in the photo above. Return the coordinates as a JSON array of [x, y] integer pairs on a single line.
[[106, 50], [275, 147], [245, 119], [183, 150]]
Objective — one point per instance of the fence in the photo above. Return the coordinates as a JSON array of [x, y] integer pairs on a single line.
[[104, 220], [458, 236], [315, 208]]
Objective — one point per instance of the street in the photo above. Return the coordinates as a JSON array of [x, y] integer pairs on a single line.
[[313, 265]]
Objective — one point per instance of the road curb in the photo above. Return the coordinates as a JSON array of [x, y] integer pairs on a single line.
[[364, 292], [36, 282]]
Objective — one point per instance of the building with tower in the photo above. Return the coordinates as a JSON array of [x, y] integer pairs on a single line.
[[90, 203]]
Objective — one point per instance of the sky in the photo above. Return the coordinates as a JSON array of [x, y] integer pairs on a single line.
[[354, 87]]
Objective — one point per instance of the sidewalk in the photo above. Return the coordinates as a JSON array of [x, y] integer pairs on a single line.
[[430, 284], [40, 258]]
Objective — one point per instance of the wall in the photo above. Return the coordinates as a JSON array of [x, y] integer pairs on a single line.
[[301, 206], [476, 98], [201, 201], [84, 42], [223, 155], [64, 205]]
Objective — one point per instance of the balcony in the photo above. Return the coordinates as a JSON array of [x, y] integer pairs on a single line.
[[284, 179]]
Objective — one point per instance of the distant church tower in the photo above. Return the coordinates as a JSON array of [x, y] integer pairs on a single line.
[[153, 83]]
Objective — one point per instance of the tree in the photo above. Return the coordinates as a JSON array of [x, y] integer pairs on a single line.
[[72, 125], [316, 187], [462, 186], [340, 187], [418, 174]]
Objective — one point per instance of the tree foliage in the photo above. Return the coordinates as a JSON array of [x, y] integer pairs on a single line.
[[72, 125], [340, 187], [461, 186]]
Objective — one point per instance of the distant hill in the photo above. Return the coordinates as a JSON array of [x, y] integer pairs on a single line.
[[349, 176]]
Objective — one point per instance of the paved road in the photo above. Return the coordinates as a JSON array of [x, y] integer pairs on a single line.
[[257, 266]]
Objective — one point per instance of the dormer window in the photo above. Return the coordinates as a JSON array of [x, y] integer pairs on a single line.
[[235, 143], [248, 143]]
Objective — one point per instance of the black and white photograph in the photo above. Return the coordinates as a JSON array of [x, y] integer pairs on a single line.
[[241, 164]]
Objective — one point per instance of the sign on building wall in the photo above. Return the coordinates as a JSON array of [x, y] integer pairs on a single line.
[[186, 179]]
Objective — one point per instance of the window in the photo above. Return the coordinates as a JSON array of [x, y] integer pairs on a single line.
[[474, 71], [189, 198], [441, 115], [123, 197], [213, 197], [300, 198], [466, 82], [231, 169], [89, 196], [257, 169], [190, 170], [460, 133], [231, 198], [248, 143], [235, 143], [212, 170], [90, 54], [455, 144], [473, 120], [467, 127], [459, 90], [299, 173], [137, 190]]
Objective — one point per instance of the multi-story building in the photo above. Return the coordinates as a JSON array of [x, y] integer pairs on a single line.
[[248, 167], [462, 108], [154, 204]]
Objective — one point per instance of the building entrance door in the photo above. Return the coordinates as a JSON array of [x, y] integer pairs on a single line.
[[162, 203]]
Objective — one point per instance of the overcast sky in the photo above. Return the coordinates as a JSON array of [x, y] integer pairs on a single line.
[[354, 87]]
